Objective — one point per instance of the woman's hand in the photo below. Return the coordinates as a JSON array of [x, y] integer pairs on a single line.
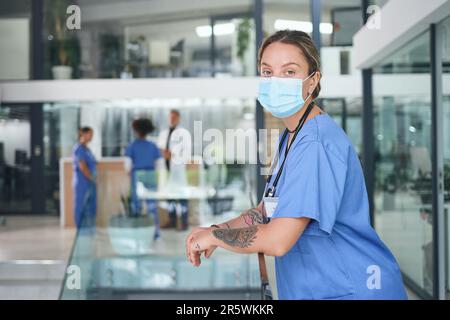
[[202, 241], [189, 240], [166, 154]]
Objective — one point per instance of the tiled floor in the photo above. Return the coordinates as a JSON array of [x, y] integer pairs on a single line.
[[33, 254], [34, 238]]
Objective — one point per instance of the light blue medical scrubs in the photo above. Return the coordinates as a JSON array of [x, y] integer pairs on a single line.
[[143, 154], [339, 255], [85, 193]]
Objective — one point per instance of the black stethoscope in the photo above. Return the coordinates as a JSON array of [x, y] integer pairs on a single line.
[[270, 192]]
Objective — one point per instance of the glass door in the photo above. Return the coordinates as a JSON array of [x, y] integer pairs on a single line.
[[403, 167]]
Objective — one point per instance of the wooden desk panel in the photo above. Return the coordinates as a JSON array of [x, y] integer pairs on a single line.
[[112, 181]]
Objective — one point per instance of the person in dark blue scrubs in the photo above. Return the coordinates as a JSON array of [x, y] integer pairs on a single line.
[[314, 216], [84, 173], [143, 154]]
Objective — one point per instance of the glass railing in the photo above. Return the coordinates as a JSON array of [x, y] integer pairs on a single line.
[[116, 257]]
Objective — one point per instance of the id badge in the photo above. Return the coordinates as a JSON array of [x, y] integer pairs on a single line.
[[270, 204]]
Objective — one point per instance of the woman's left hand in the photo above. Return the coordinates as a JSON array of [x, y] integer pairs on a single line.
[[202, 241]]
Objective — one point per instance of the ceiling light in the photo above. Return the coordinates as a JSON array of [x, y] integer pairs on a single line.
[[219, 30]]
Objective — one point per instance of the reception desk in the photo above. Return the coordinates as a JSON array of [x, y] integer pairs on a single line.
[[112, 182]]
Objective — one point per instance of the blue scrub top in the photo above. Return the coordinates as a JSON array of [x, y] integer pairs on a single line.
[[339, 255], [143, 154], [80, 152]]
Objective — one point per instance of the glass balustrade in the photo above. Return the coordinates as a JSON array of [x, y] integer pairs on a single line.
[[116, 255]]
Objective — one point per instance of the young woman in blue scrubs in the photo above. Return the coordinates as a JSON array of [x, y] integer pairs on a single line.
[[84, 172], [316, 199], [143, 154]]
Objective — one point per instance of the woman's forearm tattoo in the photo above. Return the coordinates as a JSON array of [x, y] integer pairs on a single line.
[[241, 238], [253, 217]]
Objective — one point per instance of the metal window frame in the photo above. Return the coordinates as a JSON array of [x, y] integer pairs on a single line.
[[315, 6], [368, 139], [37, 113], [259, 112], [413, 286], [368, 127]]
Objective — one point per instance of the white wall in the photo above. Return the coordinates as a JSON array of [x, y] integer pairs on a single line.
[[400, 22], [331, 60], [14, 49], [175, 91]]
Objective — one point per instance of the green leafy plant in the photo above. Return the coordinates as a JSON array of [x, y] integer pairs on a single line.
[[243, 37], [64, 47]]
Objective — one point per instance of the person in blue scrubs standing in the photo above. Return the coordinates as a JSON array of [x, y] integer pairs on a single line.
[[84, 173], [318, 225], [143, 154]]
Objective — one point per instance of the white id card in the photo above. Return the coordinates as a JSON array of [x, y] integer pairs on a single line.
[[270, 204]]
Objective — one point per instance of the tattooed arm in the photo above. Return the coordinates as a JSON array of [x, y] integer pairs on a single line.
[[273, 239], [247, 218]]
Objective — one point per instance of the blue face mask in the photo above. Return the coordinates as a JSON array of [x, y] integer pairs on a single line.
[[282, 97]]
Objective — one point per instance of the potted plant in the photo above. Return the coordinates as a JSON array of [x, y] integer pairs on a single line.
[[64, 45]]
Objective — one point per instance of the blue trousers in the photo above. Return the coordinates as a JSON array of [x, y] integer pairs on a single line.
[[136, 203], [85, 204]]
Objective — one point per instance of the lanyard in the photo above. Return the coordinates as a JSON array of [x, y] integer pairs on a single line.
[[271, 191]]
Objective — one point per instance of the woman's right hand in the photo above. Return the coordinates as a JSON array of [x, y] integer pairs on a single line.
[[196, 230]]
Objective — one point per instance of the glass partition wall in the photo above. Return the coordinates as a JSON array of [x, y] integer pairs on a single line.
[[347, 113], [149, 39], [445, 27], [111, 121], [403, 148], [118, 259], [405, 156]]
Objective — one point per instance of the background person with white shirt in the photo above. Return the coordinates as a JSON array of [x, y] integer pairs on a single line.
[[172, 147]]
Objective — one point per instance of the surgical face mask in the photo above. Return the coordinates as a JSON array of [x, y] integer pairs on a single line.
[[282, 97]]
